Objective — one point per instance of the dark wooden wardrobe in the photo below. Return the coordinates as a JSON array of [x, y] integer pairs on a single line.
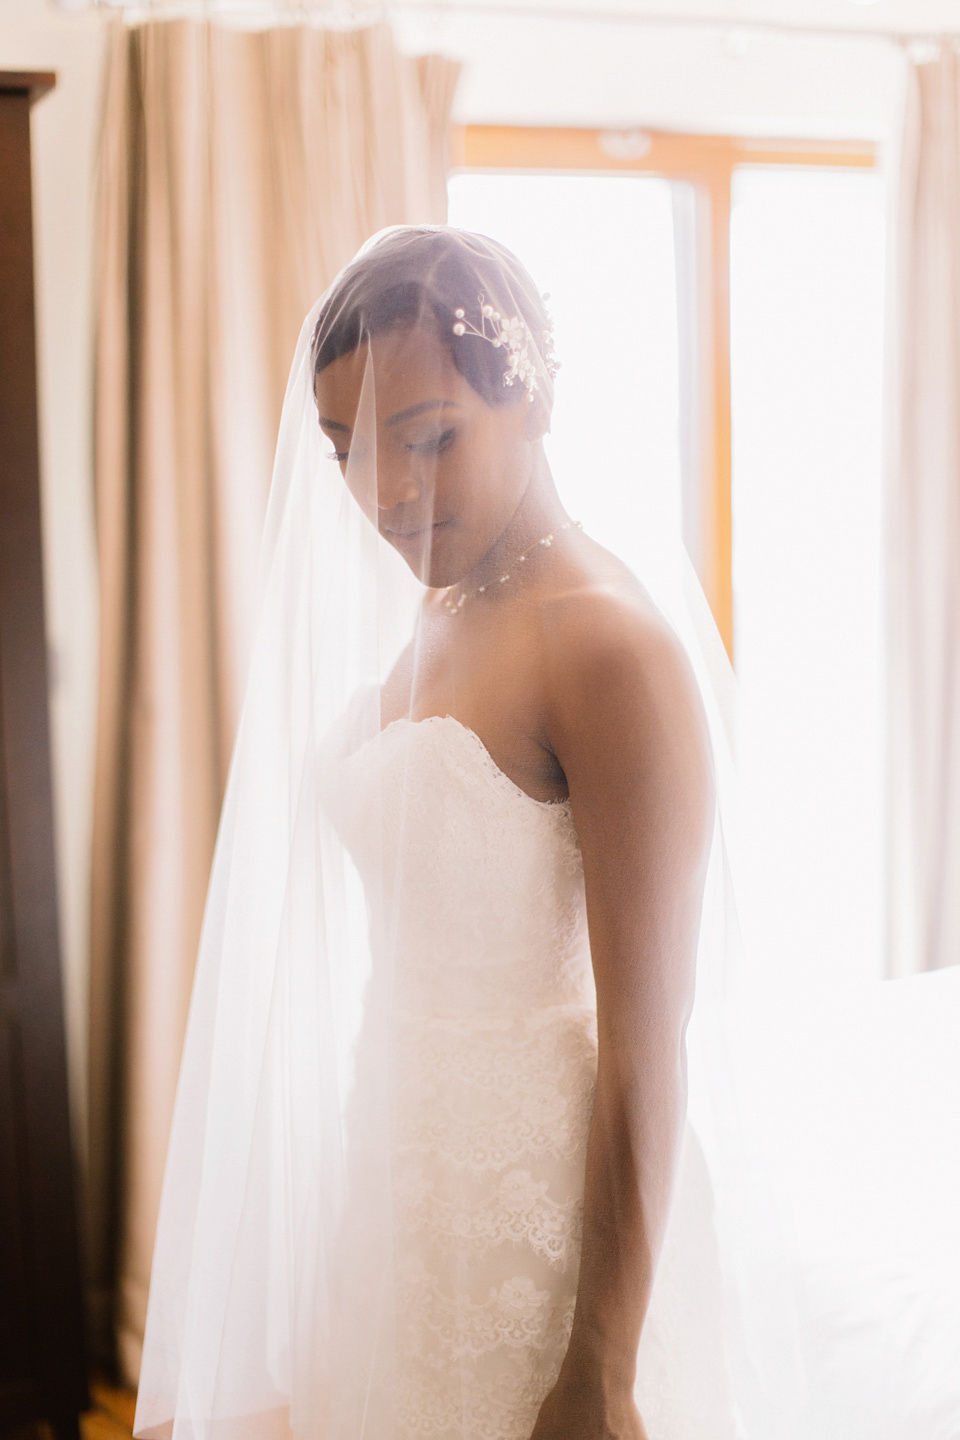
[[42, 1366]]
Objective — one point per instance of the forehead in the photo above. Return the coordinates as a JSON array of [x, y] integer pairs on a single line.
[[404, 366]]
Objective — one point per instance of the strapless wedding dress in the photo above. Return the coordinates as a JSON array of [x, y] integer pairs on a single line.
[[494, 1037]]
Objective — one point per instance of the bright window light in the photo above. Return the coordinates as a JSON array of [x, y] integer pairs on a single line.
[[807, 301], [807, 319]]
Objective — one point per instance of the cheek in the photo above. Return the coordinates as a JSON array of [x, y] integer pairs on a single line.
[[360, 475], [500, 461]]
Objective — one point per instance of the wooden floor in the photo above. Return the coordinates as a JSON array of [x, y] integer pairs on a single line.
[[112, 1415], [109, 1418]]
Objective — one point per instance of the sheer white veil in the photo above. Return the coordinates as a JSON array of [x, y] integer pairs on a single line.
[[273, 1304]]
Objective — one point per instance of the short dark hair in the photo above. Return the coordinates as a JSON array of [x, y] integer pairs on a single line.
[[413, 275]]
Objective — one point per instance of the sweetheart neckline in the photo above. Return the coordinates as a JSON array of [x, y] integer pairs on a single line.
[[563, 806]]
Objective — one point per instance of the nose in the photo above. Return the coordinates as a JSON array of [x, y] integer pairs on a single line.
[[397, 484]]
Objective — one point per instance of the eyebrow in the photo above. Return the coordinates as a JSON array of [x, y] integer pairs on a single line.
[[424, 405], [400, 416]]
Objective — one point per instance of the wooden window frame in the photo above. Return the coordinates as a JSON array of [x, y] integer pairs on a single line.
[[708, 163]]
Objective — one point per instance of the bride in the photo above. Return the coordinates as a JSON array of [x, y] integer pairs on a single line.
[[429, 1173]]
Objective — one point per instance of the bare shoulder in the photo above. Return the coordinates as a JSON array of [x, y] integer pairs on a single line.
[[622, 706], [604, 639]]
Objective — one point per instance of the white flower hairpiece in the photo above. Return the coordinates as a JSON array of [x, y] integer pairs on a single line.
[[513, 334]]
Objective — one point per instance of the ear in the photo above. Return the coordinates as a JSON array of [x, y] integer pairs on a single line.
[[537, 419]]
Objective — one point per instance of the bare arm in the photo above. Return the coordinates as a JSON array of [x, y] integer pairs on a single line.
[[626, 725]]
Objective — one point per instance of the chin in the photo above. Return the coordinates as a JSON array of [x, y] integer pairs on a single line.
[[435, 574], [428, 562]]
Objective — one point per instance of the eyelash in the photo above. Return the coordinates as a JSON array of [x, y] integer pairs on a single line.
[[428, 447], [433, 447]]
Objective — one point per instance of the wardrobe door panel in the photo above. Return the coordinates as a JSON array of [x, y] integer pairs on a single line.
[[42, 1363]]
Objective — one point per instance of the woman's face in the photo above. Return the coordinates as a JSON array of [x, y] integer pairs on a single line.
[[438, 470]]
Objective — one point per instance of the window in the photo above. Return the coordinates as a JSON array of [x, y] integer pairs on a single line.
[[718, 310], [807, 311]]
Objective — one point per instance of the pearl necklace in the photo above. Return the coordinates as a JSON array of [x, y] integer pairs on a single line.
[[453, 607]]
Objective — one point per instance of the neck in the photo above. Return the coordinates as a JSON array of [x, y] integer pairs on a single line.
[[538, 513]]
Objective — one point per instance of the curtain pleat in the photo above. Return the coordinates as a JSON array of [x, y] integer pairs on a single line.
[[239, 170], [924, 530]]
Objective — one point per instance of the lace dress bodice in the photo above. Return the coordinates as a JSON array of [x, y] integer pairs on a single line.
[[482, 945], [440, 810]]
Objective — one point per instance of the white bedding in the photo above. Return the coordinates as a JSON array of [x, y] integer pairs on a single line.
[[858, 1098]]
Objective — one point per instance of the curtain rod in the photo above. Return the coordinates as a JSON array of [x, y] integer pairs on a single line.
[[450, 9]]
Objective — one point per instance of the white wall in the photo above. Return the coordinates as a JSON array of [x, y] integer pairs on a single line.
[[564, 72], [522, 72]]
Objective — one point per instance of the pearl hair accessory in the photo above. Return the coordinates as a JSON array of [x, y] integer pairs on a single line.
[[455, 606], [515, 337]]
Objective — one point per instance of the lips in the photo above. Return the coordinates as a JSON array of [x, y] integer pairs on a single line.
[[408, 534]]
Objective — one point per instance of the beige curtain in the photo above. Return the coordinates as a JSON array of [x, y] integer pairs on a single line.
[[924, 612], [239, 171]]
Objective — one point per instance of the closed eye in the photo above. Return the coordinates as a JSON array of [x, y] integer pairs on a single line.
[[422, 447], [434, 446]]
